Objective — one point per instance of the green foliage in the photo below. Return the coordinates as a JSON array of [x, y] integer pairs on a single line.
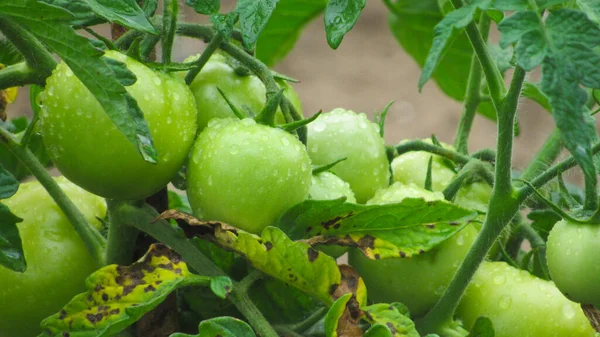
[[204, 6], [11, 246], [403, 229], [340, 17], [221, 327], [564, 45], [254, 15], [483, 327]]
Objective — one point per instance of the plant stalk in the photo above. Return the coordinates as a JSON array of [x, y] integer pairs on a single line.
[[472, 96], [419, 145], [120, 246]]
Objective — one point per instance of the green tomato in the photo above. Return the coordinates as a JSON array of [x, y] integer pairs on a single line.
[[58, 261], [88, 149], [520, 304], [246, 174], [418, 281], [411, 168], [242, 90], [328, 186], [346, 134], [573, 251]]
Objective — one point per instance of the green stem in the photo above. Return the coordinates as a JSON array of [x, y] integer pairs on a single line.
[[120, 246], [419, 145], [472, 96], [503, 207], [537, 243], [286, 331], [545, 156], [20, 74], [248, 281], [488, 155], [93, 240], [170, 12], [33, 51], [244, 304], [204, 57]]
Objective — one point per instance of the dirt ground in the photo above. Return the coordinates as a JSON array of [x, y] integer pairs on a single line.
[[366, 72]]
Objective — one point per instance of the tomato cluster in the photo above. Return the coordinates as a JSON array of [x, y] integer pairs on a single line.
[[248, 174]]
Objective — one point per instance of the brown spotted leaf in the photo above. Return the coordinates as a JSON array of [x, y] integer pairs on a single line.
[[118, 296], [273, 253], [412, 226], [388, 315], [343, 317]]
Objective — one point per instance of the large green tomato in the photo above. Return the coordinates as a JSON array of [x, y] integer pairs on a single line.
[[58, 261], [246, 174], [245, 90], [346, 134], [88, 149], [411, 168], [573, 251], [520, 304], [419, 281]]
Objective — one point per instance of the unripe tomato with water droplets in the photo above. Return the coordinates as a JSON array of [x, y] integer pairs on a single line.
[[58, 261], [246, 174], [345, 134], [88, 149]]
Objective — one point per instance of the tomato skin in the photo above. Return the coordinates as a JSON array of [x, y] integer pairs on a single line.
[[246, 174], [418, 281], [346, 134], [88, 149], [247, 90], [572, 251], [411, 168], [520, 304], [328, 186], [58, 261]]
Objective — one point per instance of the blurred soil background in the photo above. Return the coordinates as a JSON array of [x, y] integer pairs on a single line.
[[367, 71]]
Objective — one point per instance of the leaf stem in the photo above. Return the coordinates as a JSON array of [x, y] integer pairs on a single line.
[[472, 96], [120, 246], [244, 304], [204, 57], [33, 51], [93, 240]]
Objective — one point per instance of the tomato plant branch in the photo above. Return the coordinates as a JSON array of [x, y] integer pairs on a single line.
[[33, 51], [20, 74], [419, 145], [204, 57], [93, 240], [170, 12], [472, 96], [503, 207], [120, 246]]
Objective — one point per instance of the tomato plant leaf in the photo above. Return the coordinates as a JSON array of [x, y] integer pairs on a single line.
[[224, 23], [254, 15], [8, 184], [221, 286], [124, 12], [343, 317], [11, 246], [284, 27], [444, 32], [221, 327], [398, 324], [591, 8], [534, 93], [83, 15], [564, 45], [404, 229], [483, 327], [378, 330], [340, 18], [412, 24], [118, 296], [87, 64], [273, 253], [204, 6], [8, 53], [543, 220]]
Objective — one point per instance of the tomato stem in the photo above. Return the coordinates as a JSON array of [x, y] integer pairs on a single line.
[[204, 57], [19, 74], [122, 236], [472, 96], [93, 240], [170, 12], [419, 145]]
